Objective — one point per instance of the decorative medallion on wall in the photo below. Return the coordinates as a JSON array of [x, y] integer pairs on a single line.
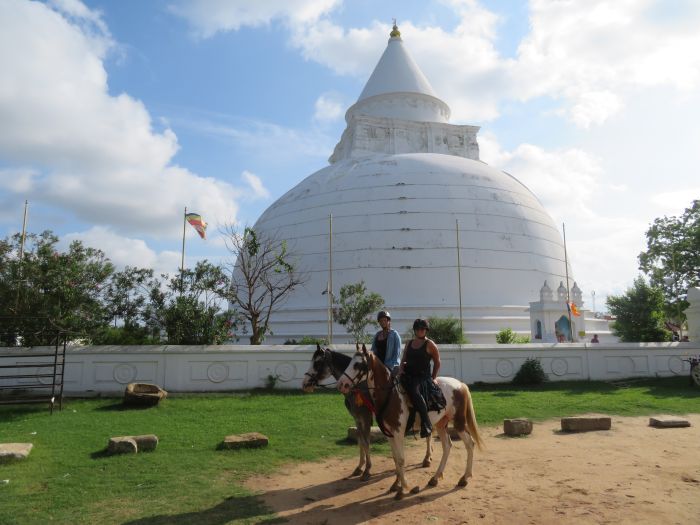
[[124, 373], [559, 366], [285, 371], [675, 364], [45, 370], [504, 368], [217, 372]]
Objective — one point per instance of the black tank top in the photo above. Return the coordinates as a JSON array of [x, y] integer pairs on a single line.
[[418, 360], [380, 349]]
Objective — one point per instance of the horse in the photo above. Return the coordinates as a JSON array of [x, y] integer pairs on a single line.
[[385, 392], [326, 363]]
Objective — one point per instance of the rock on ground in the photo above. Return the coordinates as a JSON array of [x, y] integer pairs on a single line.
[[14, 451], [249, 440]]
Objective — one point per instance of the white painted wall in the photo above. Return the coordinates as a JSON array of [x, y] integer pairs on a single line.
[[108, 369]]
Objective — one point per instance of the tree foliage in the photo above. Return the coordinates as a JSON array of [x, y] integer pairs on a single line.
[[190, 308], [672, 258], [65, 287], [263, 277], [356, 308], [639, 313], [78, 291]]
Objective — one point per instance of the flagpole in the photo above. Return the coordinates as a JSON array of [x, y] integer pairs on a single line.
[[568, 301], [330, 279], [21, 253], [182, 263], [459, 283]]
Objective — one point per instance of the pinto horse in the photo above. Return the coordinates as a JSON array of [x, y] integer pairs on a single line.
[[386, 394], [326, 363]]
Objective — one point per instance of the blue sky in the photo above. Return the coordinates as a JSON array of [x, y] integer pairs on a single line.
[[114, 115]]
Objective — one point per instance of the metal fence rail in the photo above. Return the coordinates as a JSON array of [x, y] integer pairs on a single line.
[[32, 378]]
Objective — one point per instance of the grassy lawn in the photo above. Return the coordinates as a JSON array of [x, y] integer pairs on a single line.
[[67, 478]]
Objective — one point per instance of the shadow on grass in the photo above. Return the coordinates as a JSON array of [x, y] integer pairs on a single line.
[[233, 508], [121, 407], [657, 387], [11, 412]]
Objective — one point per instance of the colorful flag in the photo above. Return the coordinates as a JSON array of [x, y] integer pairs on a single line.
[[195, 219], [574, 310]]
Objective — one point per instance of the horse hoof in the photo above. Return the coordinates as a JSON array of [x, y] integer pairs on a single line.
[[365, 477], [394, 487], [433, 482], [415, 490], [399, 495], [462, 482], [356, 472], [426, 463]]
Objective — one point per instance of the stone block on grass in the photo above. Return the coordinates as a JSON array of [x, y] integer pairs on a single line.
[[249, 440], [146, 443], [14, 451], [585, 424], [668, 422], [375, 435], [122, 445], [517, 427]]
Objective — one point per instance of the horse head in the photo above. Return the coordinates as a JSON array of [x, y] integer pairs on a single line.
[[357, 370], [319, 369]]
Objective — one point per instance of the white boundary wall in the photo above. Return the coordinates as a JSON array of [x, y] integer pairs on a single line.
[[96, 370]]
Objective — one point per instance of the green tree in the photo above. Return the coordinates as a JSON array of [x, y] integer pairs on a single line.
[[446, 330], [639, 314], [189, 307], [356, 308], [66, 287], [508, 337], [263, 277], [672, 258]]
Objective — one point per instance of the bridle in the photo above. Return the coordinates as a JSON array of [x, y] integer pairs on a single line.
[[364, 371], [313, 377]]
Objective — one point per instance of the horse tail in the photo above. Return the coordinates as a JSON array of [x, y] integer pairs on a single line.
[[465, 417]]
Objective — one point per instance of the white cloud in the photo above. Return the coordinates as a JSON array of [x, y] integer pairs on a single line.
[[126, 251], [18, 180], [208, 17], [259, 191], [329, 107], [93, 154]]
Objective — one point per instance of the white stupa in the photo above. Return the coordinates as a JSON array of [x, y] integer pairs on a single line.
[[398, 181]]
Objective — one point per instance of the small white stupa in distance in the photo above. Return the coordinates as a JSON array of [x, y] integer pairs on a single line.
[[398, 181]]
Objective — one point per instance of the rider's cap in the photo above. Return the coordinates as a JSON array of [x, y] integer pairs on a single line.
[[383, 313]]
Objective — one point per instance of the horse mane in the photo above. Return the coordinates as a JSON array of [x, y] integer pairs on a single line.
[[379, 370], [339, 362]]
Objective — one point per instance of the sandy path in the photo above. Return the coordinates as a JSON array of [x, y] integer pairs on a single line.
[[630, 474]]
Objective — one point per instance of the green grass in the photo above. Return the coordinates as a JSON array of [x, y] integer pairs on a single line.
[[67, 478]]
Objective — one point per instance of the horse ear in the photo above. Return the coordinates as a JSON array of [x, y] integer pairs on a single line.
[[364, 348], [357, 347], [318, 347]]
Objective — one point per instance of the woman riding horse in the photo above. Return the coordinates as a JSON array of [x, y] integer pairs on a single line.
[[416, 376]]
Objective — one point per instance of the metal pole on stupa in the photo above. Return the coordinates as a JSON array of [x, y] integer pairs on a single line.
[[330, 279], [459, 283], [568, 300]]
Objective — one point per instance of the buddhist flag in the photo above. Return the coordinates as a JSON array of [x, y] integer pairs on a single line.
[[195, 219], [575, 311]]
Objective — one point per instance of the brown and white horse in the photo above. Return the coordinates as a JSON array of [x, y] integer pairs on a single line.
[[326, 363], [459, 410]]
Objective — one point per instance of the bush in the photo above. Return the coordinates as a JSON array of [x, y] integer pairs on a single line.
[[446, 330], [530, 373], [508, 337], [307, 340]]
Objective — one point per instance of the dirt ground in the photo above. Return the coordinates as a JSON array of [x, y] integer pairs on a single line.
[[632, 473]]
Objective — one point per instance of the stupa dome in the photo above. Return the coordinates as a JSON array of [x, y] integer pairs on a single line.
[[399, 181]]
